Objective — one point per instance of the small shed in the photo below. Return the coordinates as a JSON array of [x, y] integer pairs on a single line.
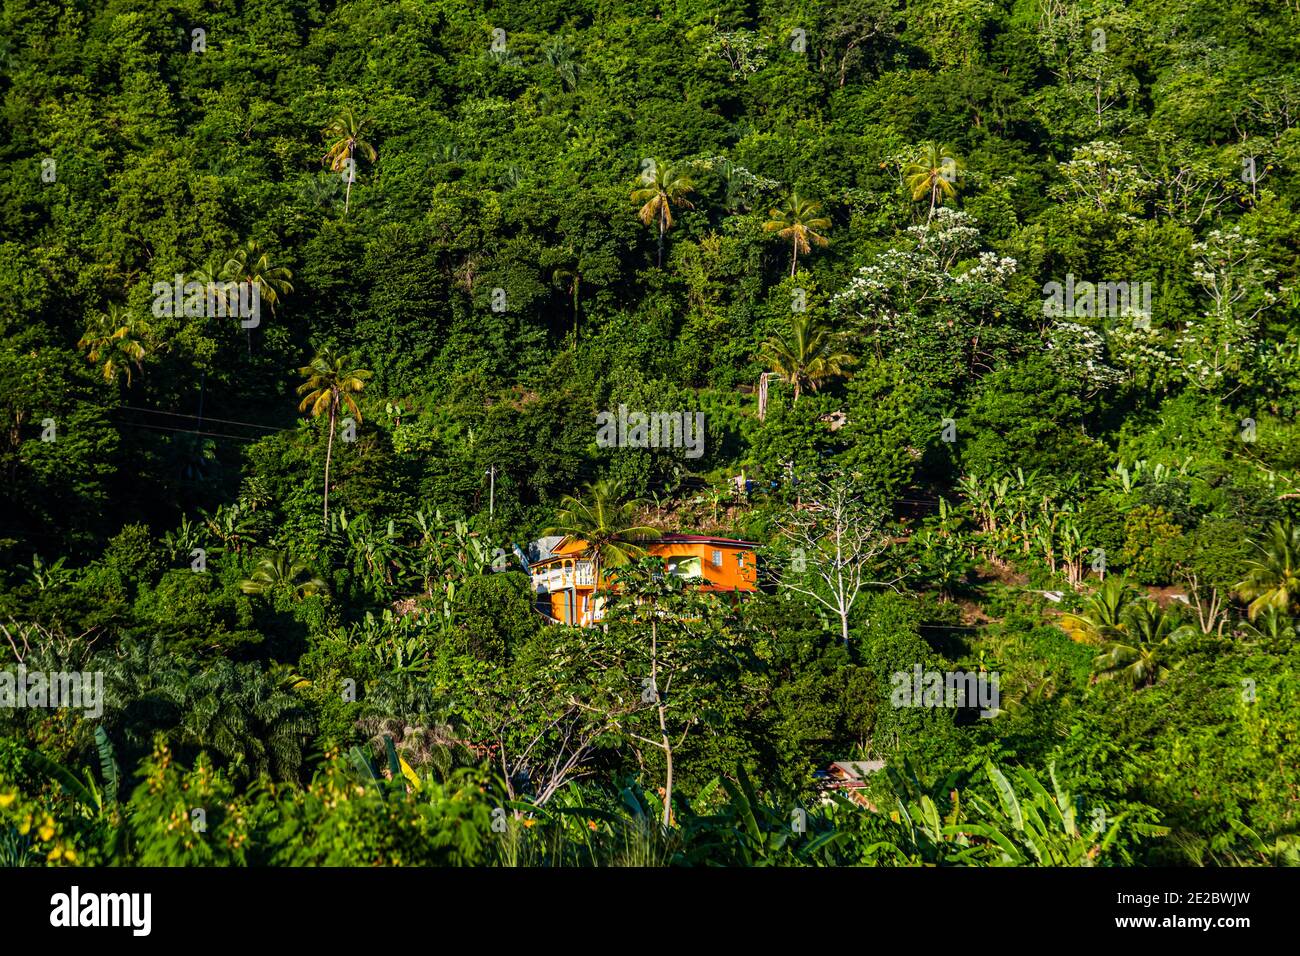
[[849, 777]]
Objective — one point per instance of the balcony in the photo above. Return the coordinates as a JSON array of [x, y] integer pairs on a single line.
[[563, 578]]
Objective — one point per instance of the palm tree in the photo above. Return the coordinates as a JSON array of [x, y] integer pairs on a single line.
[[933, 172], [1273, 577], [116, 340], [1275, 628], [663, 187], [144, 689], [569, 279], [806, 355], [345, 133], [253, 264], [244, 713], [801, 222], [282, 571], [1102, 618], [607, 523], [1138, 649], [331, 383]]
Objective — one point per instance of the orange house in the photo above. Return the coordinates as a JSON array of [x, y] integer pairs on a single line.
[[563, 574]]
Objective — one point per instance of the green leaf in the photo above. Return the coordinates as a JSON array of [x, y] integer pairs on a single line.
[[107, 764], [1010, 803]]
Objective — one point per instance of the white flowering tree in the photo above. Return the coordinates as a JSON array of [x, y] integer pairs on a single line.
[[1103, 176], [1222, 347], [937, 304]]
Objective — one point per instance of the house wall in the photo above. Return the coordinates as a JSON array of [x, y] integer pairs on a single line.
[[727, 576], [570, 606]]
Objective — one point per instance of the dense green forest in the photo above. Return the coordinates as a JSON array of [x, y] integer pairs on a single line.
[[308, 311]]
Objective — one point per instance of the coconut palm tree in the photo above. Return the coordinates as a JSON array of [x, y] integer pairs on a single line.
[[806, 355], [255, 265], [212, 276], [331, 384], [933, 172], [800, 222], [662, 187], [1273, 577], [1138, 650], [345, 133], [144, 689], [607, 523], [568, 279], [115, 341], [1102, 617], [281, 570]]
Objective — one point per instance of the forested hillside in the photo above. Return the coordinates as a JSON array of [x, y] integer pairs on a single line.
[[313, 316]]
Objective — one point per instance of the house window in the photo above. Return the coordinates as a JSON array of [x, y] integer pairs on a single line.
[[717, 559], [685, 567], [740, 560]]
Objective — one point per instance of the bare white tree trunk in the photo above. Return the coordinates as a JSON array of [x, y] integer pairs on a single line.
[[836, 540]]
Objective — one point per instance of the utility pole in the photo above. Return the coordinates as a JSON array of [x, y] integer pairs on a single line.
[[492, 489]]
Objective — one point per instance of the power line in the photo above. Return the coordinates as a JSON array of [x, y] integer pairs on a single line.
[[186, 431], [201, 418]]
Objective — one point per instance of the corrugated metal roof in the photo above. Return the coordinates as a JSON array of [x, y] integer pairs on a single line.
[[702, 539], [858, 768], [542, 547]]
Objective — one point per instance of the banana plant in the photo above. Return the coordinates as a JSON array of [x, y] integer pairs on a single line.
[[396, 781], [1072, 552], [182, 542], [398, 642], [1039, 829], [89, 796], [1283, 851], [48, 576], [744, 829], [1029, 828], [230, 527], [374, 554]]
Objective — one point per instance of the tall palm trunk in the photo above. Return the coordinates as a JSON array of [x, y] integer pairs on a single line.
[[329, 453], [662, 213], [352, 174], [794, 261]]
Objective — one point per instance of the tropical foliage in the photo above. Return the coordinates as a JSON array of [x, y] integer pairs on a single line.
[[990, 327]]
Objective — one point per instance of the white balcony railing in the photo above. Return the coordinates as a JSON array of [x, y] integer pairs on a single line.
[[559, 579]]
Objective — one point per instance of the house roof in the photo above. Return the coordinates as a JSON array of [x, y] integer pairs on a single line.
[[567, 546], [705, 539], [857, 769], [542, 548]]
